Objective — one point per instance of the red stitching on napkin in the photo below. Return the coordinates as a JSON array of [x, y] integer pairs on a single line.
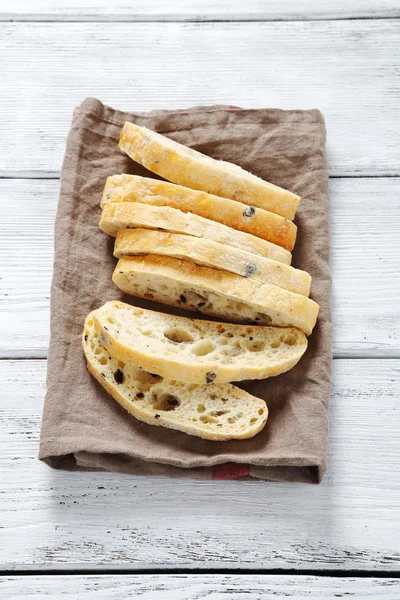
[[230, 471], [236, 108]]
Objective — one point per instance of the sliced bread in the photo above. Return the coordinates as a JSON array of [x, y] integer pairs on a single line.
[[210, 291], [193, 350], [117, 216], [190, 168], [131, 242], [256, 221], [213, 412]]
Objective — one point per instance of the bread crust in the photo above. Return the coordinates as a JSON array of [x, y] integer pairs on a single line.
[[212, 254], [117, 216], [229, 412], [187, 167], [214, 292], [196, 351], [256, 221]]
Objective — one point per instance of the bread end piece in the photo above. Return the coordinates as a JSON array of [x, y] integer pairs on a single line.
[[187, 167]]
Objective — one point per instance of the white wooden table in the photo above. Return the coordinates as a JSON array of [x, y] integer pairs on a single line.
[[79, 535]]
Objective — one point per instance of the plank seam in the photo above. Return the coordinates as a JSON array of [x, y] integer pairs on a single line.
[[29, 18], [362, 573]]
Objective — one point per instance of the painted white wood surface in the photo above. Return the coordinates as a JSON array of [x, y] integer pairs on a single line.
[[57, 520], [197, 587], [345, 68], [195, 10], [365, 230]]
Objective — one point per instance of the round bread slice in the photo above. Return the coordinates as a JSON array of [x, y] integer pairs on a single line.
[[212, 412], [196, 351]]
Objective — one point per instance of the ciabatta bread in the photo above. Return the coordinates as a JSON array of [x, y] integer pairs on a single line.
[[193, 350], [213, 412], [131, 242], [117, 216], [256, 221], [213, 292], [190, 168]]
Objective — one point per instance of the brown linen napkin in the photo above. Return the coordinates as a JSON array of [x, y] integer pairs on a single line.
[[84, 428]]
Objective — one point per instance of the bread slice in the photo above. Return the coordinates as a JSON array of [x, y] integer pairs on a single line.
[[131, 242], [117, 216], [190, 168], [213, 412], [193, 350], [256, 221], [213, 292]]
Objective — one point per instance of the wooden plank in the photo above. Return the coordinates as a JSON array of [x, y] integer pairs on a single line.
[[364, 219], [348, 69], [58, 520], [195, 10], [198, 587], [28, 210], [365, 231]]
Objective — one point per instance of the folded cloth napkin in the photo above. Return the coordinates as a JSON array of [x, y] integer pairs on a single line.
[[83, 428]]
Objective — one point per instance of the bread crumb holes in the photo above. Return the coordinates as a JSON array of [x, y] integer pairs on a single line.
[[178, 334], [165, 402], [203, 347]]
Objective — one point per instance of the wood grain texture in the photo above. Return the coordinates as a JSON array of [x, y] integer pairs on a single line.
[[58, 520], [348, 69], [195, 10], [197, 587], [27, 209], [365, 230]]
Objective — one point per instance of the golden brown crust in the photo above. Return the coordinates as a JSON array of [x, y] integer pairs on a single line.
[[135, 395], [117, 216], [256, 221], [208, 351], [225, 295], [212, 254], [187, 167]]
